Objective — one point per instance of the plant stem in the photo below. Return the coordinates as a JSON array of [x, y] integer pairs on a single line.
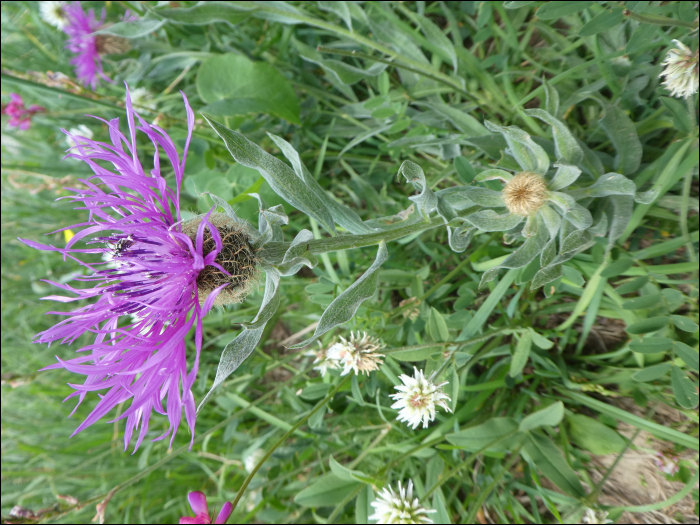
[[659, 20], [281, 440]]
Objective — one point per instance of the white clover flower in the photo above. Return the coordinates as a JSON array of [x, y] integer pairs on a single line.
[[681, 71], [322, 359], [252, 459], [593, 517], [143, 98], [53, 13], [358, 354], [82, 131], [417, 399], [390, 507]]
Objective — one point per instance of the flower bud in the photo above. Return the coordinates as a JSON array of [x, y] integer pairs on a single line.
[[525, 193]]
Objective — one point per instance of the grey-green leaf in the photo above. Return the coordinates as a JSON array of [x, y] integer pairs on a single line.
[[529, 155], [490, 221], [652, 373], [549, 416], [521, 354], [204, 13], [426, 201], [132, 29], [566, 148], [648, 325], [343, 307], [685, 324], [687, 354], [592, 435], [684, 390], [651, 345], [437, 327], [624, 137], [278, 175]]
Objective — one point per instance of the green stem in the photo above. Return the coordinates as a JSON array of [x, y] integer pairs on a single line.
[[281, 440], [659, 20], [485, 493]]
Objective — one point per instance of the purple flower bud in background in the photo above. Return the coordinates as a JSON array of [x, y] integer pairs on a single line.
[[20, 117]]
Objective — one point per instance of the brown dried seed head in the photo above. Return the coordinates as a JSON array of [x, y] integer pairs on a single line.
[[525, 193], [237, 257], [111, 45]]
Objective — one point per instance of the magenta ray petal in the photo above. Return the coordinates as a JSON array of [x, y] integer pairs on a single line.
[[225, 513], [145, 299]]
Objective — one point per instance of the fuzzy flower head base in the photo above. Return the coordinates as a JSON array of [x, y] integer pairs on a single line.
[[417, 399], [391, 507], [147, 293]]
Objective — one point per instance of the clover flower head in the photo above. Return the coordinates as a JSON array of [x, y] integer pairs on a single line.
[[53, 13], [417, 399], [595, 517], [198, 502], [89, 47], [390, 507], [358, 354], [78, 134], [164, 276], [322, 360], [20, 117], [681, 71], [141, 97]]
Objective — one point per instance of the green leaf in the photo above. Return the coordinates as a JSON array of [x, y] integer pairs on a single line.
[[642, 36], [685, 324], [566, 148], [642, 302], [465, 170], [443, 46], [564, 177], [648, 325], [617, 268], [541, 342], [684, 390], [464, 122], [624, 137], [245, 342], [344, 473], [343, 308], [328, 490], [483, 196], [602, 22], [687, 354], [549, 416], [133, 29], [490, 221], [480, 436], [516, 4], [548, 459], [362, 502], [204, 13], [651, 345], [660, 431], [529, 155], [681, 117], [551, 98], [592, 435], [558, 9], [606, 185], [338, 7], [437, 327], [521, 355], [441, 516], [233, 76], [633, 285], [638, 6], [315, 391], [420, 354], [652, 373], [281, 178]]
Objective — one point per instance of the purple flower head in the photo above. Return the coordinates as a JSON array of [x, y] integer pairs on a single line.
[[89, 47], [149, 295], [198, 502], [20, 117]]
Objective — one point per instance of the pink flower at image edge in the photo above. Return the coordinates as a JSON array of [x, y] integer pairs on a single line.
[[20, 117], [198, 502]]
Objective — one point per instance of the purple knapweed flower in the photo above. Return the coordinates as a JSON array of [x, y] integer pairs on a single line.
[[20, 117], [89, 47], [161, 278], [198, 502]]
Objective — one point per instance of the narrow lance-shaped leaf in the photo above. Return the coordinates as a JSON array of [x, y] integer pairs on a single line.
[[243, 345], [278, 175], [606, 185], [298, 255], [529, 155], [343, 307], [204, 13], [342, 215], [490, 221], [565, 145], [624, 137]]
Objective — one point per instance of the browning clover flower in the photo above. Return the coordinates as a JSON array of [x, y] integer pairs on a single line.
[[89, 47], [322, 360], [417, 399], [164, 276], [198, 502], [391, 507], [358, 354], [681, 71], [20, 117]]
